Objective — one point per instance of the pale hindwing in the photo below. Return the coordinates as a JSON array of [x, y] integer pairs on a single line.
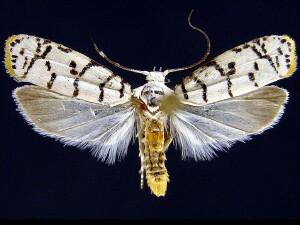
[[63, 70], [240, 70], [202, 130], [107, 131]]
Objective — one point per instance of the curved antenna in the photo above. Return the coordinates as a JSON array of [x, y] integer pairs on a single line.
[[104, 56], [199, 61]]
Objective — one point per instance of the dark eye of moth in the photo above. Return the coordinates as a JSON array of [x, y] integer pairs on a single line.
[[159, 92]]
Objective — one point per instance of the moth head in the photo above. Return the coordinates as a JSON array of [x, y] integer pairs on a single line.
[[152, 95]]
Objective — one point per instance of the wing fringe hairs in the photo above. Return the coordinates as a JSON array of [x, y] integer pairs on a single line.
[[106, 131], [201, 131]]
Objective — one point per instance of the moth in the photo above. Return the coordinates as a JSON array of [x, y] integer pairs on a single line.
[[81, 103]]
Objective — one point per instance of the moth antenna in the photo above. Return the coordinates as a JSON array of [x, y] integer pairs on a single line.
[[200, 60], [104, 56]]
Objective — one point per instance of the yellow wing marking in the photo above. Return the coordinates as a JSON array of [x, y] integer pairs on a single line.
[[293, 57], [7, 59]]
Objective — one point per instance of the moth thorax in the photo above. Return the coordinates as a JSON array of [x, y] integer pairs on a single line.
[[156, 172], [152, 95], [155, 76]]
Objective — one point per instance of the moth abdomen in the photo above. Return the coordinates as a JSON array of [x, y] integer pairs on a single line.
[[154, 150]]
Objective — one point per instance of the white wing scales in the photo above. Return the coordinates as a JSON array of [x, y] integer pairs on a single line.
[[106, 130], [202, 130], [223, 102], [63, 70], [240, 70]]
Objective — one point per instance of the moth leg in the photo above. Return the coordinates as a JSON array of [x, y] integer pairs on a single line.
[[168, 140], [141, 148], [142, 170]]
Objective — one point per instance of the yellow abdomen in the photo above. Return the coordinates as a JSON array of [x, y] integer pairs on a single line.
[[156, 172]]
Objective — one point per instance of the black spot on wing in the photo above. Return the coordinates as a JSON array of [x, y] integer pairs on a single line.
[[73, 71], [17, 41], [271, 62], [109, 78], [256, 66], [267, 57], [52, 78], [64, 49], [203, 86], [22, 51], [229, 84], [38, 49], [217, 67], [277, 61], [72, 64], [252, 78], [32, 61], [14, 59], [263, 47], [237, 50], [288, 60], [102, 85], [88, 66], [255, 50], [245, 46], [184, 91], [231, 67], [101, 96], [25, 62], [257, 41], [46, 52], [36, 57], [46, 42], [76, 89], [47, 64], [122, 89], [279, 50]]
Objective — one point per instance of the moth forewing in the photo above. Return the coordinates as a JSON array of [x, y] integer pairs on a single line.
[[240, 70], [63, 70]]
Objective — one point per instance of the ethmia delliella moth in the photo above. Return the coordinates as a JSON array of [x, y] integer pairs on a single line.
[[81, 103]]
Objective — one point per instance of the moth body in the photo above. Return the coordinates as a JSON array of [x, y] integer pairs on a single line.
[[154, 137]]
